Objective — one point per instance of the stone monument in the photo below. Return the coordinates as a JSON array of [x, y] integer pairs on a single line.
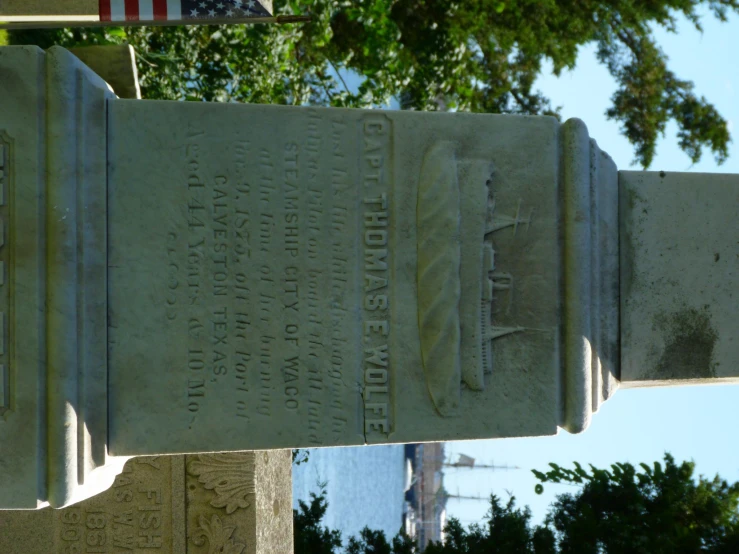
[[235, 503], [194, 277], [116, 64]]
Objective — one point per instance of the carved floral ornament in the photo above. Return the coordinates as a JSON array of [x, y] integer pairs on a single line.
[[230, 475], [217, 535]]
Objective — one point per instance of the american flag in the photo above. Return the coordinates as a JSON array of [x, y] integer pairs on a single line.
[[179, 10]]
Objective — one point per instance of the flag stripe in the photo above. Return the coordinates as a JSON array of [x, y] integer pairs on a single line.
[[117, 10], [160, 9], [132, 10], [178, 10], [146, 10], [174, 9], [104, 10]]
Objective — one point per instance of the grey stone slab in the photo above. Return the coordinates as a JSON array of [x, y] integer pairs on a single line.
[[116, 64], [680, 278], [55, 301], [24, 167], [283, 256], [236, 502], [45, 10]]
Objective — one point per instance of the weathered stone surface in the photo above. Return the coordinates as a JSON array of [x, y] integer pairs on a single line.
[[680, 278], [116, 64], [282, 254], [237, 502], [54, 423], [279, 277], [48, 10]]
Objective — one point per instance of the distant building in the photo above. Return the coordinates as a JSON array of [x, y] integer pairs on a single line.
[[425, 513]]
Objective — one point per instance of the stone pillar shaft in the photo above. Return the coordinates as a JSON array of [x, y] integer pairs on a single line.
[[193, 277]]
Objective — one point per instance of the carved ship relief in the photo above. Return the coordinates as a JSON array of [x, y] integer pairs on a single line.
[[439, 279], [443, 260], [493, 280]]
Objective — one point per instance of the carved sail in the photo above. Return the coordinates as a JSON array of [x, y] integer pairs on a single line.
[[439, 286]]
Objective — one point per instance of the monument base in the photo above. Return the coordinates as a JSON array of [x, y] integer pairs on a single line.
[[173, 504], [53, 291]]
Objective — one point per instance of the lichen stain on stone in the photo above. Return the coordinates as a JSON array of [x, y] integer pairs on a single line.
[[630, 228], [689, 343]]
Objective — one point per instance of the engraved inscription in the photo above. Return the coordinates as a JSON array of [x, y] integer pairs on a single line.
[[5, 228], [84, 530], [263, 272], [130, 517], [339, 273], [218, 243], [139, 525], [376, 167]]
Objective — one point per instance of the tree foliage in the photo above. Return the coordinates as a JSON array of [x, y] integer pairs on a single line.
[[300, 456], [657, 509], [374, 542], [508, 530], [311, 537], [474, 55]]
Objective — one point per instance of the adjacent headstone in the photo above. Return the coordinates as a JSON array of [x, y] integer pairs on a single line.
[[235, 502], [266, 277], [116, 64], [45, 10]]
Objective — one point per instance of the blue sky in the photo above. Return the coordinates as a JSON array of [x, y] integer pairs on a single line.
[[636, 425]]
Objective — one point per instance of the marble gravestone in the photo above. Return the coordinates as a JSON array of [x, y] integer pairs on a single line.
[[116, 64], [194, 277]]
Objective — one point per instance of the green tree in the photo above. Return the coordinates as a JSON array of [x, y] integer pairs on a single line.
[[301, 456], [311, 537], [475, 55], [659, 509], [374, 542], [507, 530]]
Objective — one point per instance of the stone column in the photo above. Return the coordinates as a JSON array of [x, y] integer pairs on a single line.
[[116, 64], [679, 278], [260, 277], [53, 422]]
